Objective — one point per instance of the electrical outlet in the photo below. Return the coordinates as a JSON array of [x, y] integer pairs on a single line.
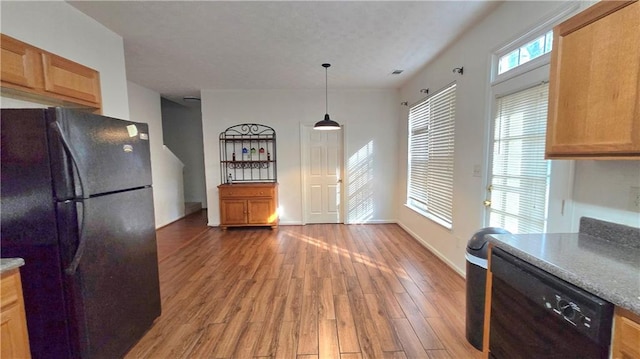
[[634, 198]]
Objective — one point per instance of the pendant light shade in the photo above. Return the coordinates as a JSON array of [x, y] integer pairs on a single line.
[[326, 124]]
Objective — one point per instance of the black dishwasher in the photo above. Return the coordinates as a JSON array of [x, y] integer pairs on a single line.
[[537, 315]]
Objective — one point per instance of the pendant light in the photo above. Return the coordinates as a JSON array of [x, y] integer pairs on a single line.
[[326, 124]]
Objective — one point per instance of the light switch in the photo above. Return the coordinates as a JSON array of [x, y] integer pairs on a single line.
[[477, 169]]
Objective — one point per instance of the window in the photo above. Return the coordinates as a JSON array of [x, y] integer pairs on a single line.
[[431, 140], [519, 173], [525, 192], [523, 54]]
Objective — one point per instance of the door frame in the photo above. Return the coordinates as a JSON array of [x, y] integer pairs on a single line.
[[559, 196], [304, 145]]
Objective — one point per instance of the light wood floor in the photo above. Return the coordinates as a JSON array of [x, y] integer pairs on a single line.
[[315, 291]]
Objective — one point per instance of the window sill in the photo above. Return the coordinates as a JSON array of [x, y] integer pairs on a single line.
[[430, 217]]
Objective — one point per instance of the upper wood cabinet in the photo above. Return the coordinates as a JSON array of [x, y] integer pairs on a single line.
[[20, 64], [34, 74], [594, 89]]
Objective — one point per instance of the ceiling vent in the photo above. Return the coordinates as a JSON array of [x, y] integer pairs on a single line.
[[397, 72]]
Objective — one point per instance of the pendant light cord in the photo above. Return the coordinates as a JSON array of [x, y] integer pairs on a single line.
[[326, 91]]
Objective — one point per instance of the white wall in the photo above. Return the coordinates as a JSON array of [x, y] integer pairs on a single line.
[[57, 27], [473, 51], [602, 190], [166, 169], [368, 116], [183, 135]]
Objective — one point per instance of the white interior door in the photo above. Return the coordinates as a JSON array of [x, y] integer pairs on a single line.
[[322, 173]]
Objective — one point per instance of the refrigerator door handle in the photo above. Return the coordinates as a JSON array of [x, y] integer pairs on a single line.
[[67, 148], [73, 266]]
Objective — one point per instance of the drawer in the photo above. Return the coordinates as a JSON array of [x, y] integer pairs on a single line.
[[9, 288], [245, 191]]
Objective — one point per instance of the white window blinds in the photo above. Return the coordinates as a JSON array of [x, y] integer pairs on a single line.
[[520, 174], [431, 146]]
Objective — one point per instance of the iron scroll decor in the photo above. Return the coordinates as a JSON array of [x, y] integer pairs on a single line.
[[248, 154]]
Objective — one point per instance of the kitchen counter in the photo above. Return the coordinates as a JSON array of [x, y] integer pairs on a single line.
[[603, 267], [7, 264]]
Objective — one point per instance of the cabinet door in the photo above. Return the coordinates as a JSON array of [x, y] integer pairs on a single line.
[[261, 211], [19, 63], [13, 332], [13, 323], [233, 211], [595, 83], [67, 78], [626, 340]]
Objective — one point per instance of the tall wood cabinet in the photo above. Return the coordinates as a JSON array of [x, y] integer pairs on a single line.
[[594, 89], [34, 74], [14, 340], [248, 170], [248, 204]]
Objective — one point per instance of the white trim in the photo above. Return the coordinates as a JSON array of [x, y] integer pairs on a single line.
[[551, 19], [291, 223], [303, 175], [434, 219], [520, 70], [374, 221], [433, 250], [524, 81]]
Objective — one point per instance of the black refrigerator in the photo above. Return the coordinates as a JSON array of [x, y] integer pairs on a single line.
[[77, 205]]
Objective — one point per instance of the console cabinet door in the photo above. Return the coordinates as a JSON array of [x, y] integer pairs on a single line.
[[261, 211], [233, 211]]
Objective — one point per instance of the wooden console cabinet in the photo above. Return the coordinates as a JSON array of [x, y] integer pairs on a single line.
[[248, 204], [14, 341], [34, 74]]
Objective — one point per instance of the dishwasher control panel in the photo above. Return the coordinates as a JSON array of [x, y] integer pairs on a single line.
[[589, 314], [569, 310]]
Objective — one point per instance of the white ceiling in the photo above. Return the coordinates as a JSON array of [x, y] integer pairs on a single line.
[[179, 47]]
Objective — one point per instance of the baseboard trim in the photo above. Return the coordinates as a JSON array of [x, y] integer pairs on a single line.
[[179, 218], [433, 250]]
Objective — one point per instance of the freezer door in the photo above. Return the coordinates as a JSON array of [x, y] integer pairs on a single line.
[[26, 198], [115, 288], [93, 155]]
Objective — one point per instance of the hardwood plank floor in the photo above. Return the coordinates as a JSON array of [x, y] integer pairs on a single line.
[[175, 235], [315, 291]]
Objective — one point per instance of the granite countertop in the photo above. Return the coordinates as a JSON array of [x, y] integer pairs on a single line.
[[603, 267], [7, 264]]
